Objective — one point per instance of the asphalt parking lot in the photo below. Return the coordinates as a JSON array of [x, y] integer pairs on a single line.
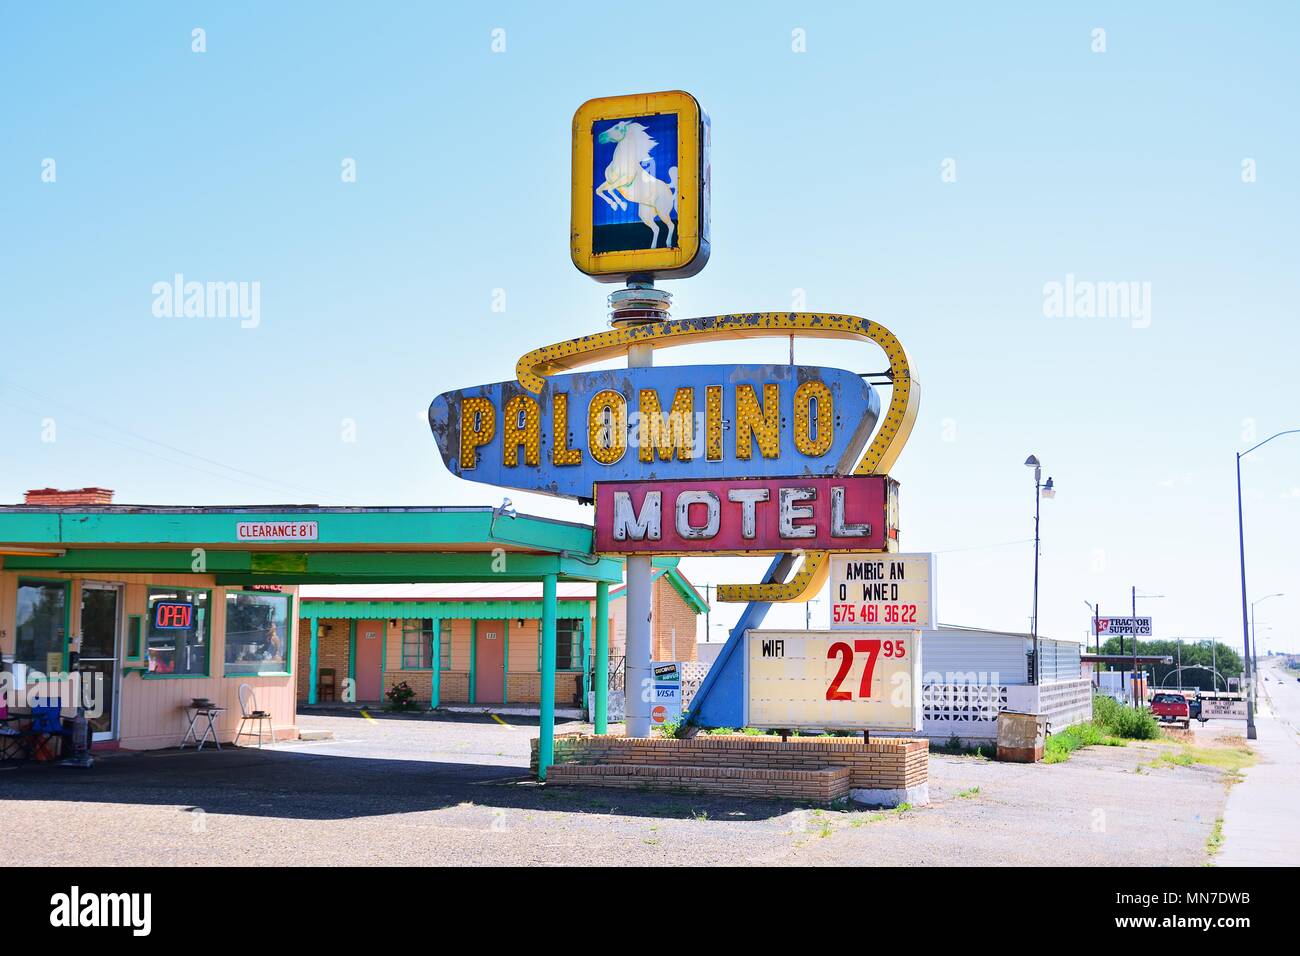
[[455, 791]]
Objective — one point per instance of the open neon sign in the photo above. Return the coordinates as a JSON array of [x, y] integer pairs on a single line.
[[173, 616]]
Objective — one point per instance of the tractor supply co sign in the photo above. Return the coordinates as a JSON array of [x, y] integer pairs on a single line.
[[276, 531], [839, 680], [869, 592], [1123, 626], [745, 516]]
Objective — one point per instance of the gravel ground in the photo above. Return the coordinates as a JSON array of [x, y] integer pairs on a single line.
[[454, 791]]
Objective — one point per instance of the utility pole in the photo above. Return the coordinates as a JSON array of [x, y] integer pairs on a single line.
[[708, 606], [1136, 703]]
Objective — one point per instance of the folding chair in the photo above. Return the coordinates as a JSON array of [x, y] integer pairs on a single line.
[[11, 738], [45, 726], [249, 711]]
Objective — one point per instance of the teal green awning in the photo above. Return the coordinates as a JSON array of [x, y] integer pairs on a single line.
[[437, 610]]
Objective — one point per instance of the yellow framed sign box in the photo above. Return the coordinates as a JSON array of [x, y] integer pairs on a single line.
[[640, 205]]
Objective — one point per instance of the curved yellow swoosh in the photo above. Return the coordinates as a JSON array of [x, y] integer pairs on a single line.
[[534, 366]]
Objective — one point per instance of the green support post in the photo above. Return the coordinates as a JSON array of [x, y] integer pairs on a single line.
[[435, 695], [602, 656], [314, 624], [586, 669], [352, 658], [473, 659], [546, 733]]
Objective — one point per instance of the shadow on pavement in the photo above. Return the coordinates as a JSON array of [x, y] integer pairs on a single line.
[[295, 783], [436, 716]]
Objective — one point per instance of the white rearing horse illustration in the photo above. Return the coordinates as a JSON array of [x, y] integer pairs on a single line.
[[628, 178]]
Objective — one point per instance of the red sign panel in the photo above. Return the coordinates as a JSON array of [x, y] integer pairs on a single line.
[[746, 516]]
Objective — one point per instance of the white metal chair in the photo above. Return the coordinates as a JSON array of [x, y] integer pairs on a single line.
[[249, 711]]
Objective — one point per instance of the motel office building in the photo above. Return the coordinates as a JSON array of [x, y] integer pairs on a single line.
[[157, 606]]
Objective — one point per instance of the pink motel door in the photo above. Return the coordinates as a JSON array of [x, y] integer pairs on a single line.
[[370, 660], [489, 662]]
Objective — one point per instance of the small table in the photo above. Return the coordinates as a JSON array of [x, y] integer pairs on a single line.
[[210, 712]]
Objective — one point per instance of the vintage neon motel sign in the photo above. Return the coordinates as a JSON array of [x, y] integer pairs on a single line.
[[755, 516], [644, 424], [534, 368], [640, 202]]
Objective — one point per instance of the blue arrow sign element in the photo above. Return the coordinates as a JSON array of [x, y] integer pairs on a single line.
[[669, 422]]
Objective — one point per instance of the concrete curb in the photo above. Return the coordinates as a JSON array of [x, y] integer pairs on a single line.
[[916, 796]]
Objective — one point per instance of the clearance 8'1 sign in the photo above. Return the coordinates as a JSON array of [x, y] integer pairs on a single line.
[[882, 591], [838, 680]]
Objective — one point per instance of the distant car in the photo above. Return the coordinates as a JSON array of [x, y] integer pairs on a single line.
[[1171, 708]]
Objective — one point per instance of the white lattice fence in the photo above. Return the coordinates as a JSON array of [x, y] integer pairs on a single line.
[[1065, 702], [962, 710], [693, 674]]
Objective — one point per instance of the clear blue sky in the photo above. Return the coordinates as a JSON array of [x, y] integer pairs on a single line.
[[376, 295]]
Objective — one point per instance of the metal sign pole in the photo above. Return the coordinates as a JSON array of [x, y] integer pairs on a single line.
[[1096, 641], [639, 304]]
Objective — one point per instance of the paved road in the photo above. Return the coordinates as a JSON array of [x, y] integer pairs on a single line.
[[455, 791], [1259, 820]]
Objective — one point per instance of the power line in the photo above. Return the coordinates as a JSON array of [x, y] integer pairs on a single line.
[[162, 444], [265, 484], [986, 547]]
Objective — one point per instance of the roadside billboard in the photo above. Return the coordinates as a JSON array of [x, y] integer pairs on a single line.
[[1122, 626]]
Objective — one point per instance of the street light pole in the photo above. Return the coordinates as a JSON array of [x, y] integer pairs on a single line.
[[1040, 491], [1136, 702], [1254, 633], [1241, 550], [1245, 624]]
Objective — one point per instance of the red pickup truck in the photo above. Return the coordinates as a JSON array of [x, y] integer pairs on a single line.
[[1171, 708]]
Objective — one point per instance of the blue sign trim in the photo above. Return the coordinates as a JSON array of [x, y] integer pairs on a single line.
[[856, 411]]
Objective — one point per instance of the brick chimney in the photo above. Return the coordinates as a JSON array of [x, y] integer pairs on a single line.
[[55, 498]]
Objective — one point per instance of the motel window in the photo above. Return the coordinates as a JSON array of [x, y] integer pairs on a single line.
[[42, 622], [568, 644], [177, 631], [417, 644], [257, 633]]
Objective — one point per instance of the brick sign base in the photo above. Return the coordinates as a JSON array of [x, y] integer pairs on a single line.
[[886, 772]]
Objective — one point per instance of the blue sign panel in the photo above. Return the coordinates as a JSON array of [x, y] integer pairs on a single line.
[[634, 174], [642, 424]]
